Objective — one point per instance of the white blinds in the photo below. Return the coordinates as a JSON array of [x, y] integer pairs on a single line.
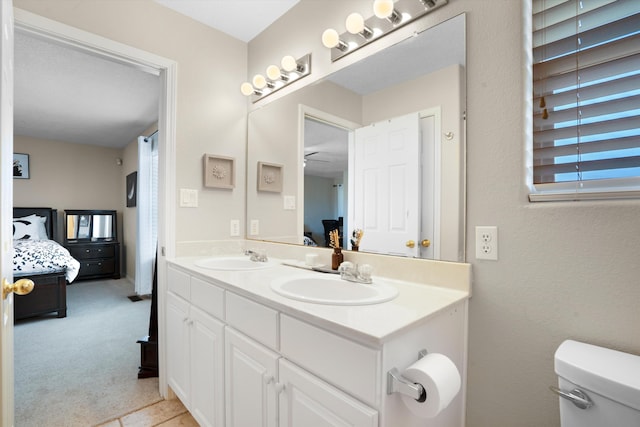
[[586, 94]]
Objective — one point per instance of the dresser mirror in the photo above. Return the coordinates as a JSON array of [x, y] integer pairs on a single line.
[[90, 225], [422, 75]]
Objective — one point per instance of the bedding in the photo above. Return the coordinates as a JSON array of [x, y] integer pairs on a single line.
[[43, 256]]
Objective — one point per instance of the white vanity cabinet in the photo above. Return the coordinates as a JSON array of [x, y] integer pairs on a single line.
[[307, 401], [264, 389], [195, 346], [251, 374], [237, 359]]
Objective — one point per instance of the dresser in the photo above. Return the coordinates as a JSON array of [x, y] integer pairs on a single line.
[[91, 237]]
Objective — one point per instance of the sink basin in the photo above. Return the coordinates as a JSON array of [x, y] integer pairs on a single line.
[[232, 264], [330, 289]]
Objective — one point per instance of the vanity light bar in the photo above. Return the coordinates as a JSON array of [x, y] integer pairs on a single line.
[[400, 13], [276, 78]]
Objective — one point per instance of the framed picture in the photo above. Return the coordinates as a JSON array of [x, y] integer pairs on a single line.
[[20, 166], [219, 171], [132, 189], [269, 177]]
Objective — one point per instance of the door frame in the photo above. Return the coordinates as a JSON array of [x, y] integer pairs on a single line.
[[304, 112], [166, 69]]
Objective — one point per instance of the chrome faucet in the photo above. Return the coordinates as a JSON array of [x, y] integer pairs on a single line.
[[355, 273], [256, 256]]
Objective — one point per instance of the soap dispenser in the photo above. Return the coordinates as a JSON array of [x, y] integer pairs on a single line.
[[336, 258]]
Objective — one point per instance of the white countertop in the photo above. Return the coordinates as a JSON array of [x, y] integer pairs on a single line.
[[372, 324]]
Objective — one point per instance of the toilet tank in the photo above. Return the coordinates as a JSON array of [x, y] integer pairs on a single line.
[[609, 378]]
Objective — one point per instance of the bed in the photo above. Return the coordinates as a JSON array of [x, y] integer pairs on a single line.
[[37, 256]]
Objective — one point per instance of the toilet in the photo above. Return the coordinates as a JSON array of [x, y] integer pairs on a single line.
[[597, 386]]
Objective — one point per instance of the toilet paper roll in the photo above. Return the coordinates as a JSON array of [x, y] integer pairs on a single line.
[[441, 381]]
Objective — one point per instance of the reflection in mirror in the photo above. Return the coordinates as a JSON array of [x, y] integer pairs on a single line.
[[102, 227], [84, 225], [314, 132]]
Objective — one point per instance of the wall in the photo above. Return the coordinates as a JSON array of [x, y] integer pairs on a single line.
[[211, 113], [64, 175], [320, 202], [566, 270]]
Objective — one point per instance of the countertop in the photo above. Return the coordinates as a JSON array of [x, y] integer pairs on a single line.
[[370, 324]]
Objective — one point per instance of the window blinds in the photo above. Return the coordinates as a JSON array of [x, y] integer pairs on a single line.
[[586, 94]]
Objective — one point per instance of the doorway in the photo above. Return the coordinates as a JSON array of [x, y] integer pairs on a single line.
[[89, 42]]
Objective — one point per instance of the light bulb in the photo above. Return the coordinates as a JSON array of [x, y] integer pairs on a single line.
[[273, 72], [246, 88], [289, 63], [259, 81], [383, 8], [330, 38], [355, 23]]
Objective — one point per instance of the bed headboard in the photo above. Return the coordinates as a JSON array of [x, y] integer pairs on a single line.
[[50, 214]]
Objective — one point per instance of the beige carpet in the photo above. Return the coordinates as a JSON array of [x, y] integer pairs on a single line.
[[82, 370]]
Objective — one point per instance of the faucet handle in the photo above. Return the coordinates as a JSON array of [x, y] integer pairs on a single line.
[[364, 271], [345, 266]]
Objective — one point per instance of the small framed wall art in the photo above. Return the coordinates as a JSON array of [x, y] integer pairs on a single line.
[[269, 177], [132, 189], [21, 166], [219, 171]]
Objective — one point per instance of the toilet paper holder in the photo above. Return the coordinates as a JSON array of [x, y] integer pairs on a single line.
[[396, 383]]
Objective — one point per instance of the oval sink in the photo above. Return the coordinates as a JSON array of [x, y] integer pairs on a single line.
[[232, 264], [330, 289]]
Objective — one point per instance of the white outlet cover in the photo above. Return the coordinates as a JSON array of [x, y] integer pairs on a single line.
[[487, 242]]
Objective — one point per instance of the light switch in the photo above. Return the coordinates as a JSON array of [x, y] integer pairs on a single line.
[[289, 203], [234, 228], [188, 198], [254, 228]]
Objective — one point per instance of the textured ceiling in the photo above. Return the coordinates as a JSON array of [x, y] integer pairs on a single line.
[[67, 95]]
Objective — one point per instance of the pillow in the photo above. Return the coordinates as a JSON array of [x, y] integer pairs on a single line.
[[30, 227]]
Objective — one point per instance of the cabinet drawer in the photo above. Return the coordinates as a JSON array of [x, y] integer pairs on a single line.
[[349, 365], [94, 267], [88, 252], [255, 320], [178, 283], [207, 297]]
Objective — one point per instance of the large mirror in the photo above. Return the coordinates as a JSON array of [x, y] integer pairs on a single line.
[[319, 143]]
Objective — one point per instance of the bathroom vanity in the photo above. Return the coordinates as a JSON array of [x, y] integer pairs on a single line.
[[241, 354]]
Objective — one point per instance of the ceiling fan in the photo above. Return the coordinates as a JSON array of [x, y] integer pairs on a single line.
[[313, 153]]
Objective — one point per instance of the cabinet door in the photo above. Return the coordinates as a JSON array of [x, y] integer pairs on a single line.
[[207, 368], [178, 347], [307, 401], [251, 374]]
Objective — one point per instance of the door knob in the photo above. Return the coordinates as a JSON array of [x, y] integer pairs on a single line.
[[425, 243], [20, 287], [410, 244]]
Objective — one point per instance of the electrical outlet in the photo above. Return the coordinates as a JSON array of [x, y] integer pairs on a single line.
[[254, 228], [487, 242], [234, 230]]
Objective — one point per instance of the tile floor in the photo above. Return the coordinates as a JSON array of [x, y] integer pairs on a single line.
[[166, 413]]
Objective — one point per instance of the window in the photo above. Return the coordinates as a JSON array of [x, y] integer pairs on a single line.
[[586, 99]]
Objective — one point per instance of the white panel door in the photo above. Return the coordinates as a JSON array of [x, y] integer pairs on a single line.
[[307, 401], [387, 185], [6, 205], [207, 368], [251, 382]]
